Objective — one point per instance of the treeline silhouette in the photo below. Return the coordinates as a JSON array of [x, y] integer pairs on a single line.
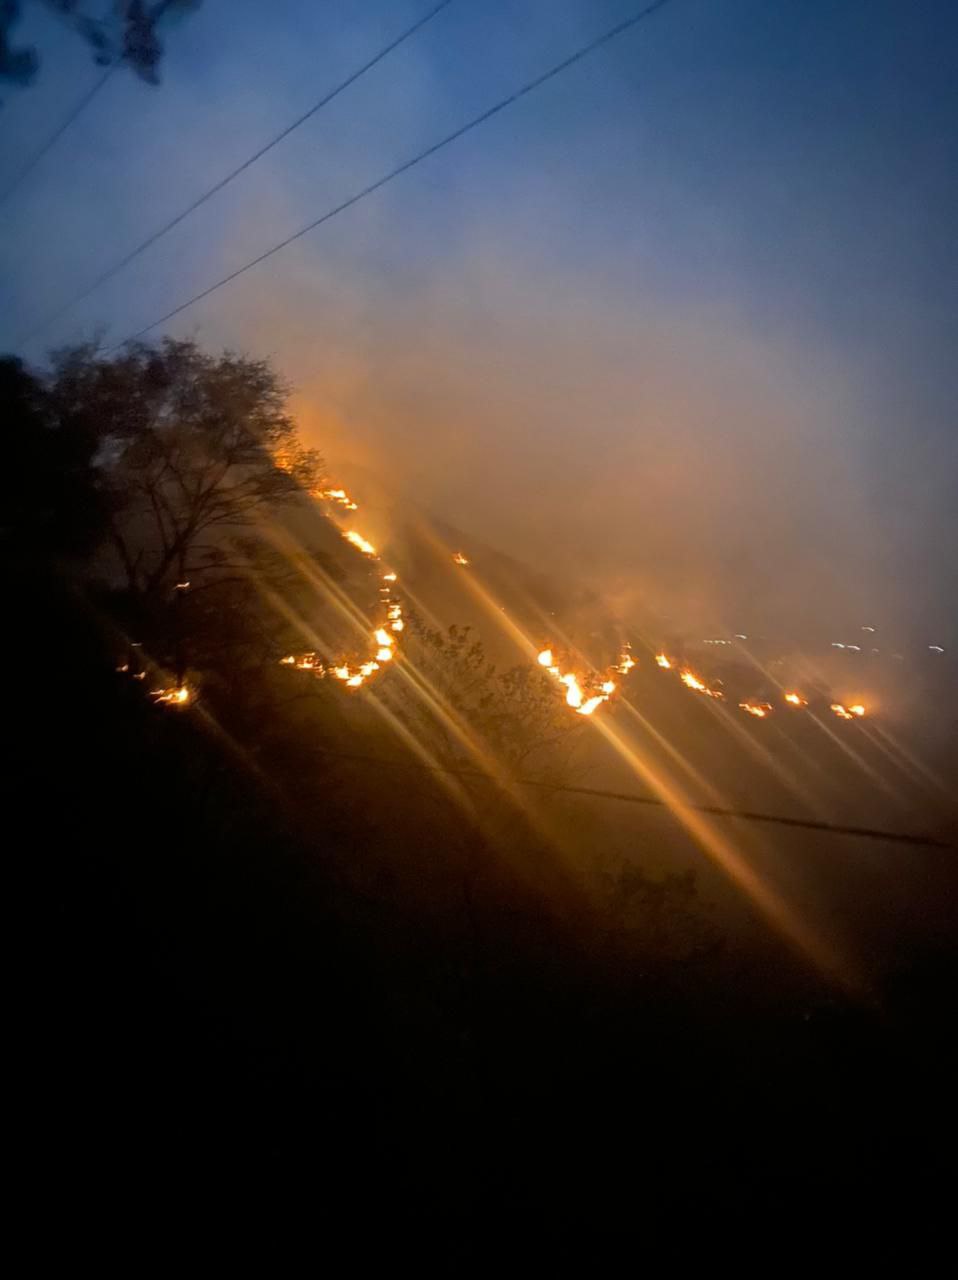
[[253, 964]]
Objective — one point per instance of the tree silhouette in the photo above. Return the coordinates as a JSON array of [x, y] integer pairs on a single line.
[[127, 32], [51, 504], [188, 446]]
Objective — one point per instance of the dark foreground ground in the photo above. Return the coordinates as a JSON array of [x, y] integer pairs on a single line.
[[217, 1014]]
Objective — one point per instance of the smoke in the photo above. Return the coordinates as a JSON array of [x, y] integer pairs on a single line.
[[596, 334], [665, 453]]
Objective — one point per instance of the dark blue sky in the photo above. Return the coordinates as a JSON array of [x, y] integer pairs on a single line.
[[687, 317]]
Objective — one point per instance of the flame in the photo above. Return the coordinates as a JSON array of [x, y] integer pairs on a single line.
[[841, 712], [626, 663], [360, 543], [693, 682], [339, 496], [663, 661], [574, 694], [590, 704], [575, 697], [459, 558], [177, 696], [354, 673], [796, 700], [757, 709], [857, 709]]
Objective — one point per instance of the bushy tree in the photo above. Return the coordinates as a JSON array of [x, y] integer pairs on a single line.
[[193, 451]]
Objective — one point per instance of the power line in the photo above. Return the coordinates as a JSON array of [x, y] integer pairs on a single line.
[[630, 797], [152, 239], [58, 133], [474, 123]]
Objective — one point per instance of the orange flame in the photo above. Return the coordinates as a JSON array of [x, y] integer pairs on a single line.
[[575, 697], [663, 662], [177, 696], [459, 558], [796, 700], [693, 681], [360, 543], [758, 709]]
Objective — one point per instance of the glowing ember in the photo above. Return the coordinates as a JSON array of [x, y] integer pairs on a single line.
[[663, 661], [383, 654], [178, 696], [575, 697], [288, 661], [626, 663], [590, 704], [758, 709], [459, 558], [182, 586], [339, 496], [360, 542], [382, 637], [693, 681], [857, 709], [796, 700], [389, 577], [574, 694]]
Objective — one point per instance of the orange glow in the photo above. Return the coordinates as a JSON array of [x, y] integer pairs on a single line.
[[575, 696], [339, 496], [459, 558], [626, 663], [177, 696], [796, 700], [841, 711], [663, 662], [857, 709], [590, 704], [758, 709], [360, 543], [693, 681]]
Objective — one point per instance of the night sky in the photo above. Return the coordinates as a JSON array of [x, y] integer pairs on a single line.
[[684, 320]]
